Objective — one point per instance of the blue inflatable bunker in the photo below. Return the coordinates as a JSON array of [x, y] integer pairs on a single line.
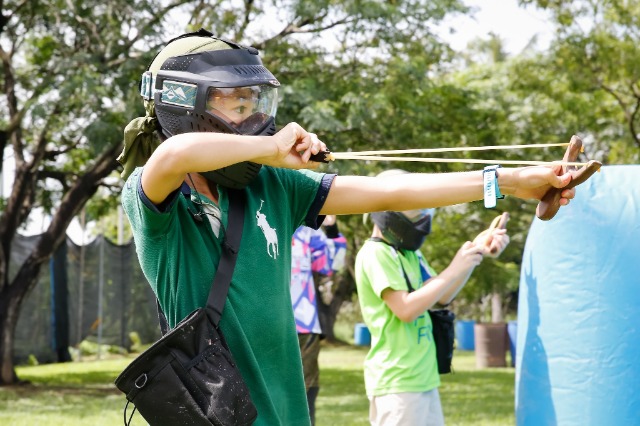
[[578, 345]]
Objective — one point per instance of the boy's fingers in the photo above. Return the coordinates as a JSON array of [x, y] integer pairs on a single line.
[[561, 181], [569, 193], [488, 240]]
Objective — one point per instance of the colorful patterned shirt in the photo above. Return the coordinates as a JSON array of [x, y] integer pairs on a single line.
[[312, 251]]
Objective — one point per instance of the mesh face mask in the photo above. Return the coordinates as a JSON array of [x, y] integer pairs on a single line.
[[223, 91], [192, 85], [400, 231]]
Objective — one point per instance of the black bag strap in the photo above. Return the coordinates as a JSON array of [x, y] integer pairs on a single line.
[[162, 319], [227, 263], [406, 277], [230, 249]]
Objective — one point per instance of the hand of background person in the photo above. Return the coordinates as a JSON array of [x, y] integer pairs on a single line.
[[468, 257], [293, 147], [494, 241], [329, 220]]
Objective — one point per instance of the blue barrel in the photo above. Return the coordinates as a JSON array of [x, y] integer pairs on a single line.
[[361, 335], [465, 335], [578, 304], [512, 331]]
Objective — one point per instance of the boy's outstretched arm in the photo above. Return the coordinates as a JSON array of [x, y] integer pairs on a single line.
[[358, 194]]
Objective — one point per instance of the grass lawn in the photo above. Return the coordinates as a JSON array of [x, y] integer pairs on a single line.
[[75, 394]]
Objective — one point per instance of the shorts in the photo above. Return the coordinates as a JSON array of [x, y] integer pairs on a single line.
[[406, 409]]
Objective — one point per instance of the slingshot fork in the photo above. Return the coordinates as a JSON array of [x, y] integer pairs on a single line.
[[550, 202]]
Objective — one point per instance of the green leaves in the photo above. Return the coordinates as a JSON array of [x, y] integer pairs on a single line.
[[42, 50]]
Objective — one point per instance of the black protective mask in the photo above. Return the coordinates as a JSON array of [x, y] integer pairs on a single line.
[[194, 74], [239, 175], [400, 232]]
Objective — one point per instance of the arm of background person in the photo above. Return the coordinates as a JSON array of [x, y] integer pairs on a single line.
[[409, 306]]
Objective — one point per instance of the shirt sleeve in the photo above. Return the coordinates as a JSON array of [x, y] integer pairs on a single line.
[[306, 191], [141, 211], [384, 270], [313, 219]]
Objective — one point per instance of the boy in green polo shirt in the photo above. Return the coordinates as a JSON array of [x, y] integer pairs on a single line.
[[213, 105]]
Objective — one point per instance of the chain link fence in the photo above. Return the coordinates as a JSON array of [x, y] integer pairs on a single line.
[[96, 292]]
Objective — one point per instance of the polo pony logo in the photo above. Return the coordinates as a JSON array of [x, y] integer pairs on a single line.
[[269, 233]]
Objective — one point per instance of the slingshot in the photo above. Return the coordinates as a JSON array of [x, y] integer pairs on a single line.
[[548, 205]]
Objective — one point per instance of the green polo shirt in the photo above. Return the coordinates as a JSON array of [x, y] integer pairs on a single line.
[[179, 257]]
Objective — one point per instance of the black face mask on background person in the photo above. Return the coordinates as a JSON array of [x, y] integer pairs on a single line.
[[400, 232]]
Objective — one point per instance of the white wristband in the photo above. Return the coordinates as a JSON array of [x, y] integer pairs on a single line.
[[491, 188]]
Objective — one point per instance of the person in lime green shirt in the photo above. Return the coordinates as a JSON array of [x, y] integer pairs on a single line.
[[396, 286], [209, 127]]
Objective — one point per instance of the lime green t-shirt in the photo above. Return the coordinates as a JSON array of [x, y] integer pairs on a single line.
[[179, 257], [402, 357]]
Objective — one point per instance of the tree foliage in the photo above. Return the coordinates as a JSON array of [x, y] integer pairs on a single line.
[[592, 71], [69, 81], [586, 83]]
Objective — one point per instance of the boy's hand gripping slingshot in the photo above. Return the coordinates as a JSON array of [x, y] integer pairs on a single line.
[[550, 203], [485, 238]]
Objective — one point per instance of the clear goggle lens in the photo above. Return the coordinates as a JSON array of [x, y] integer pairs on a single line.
[[246, 108], [416, 215]]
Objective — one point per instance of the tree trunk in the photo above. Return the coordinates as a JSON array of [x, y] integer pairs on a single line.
[[11, 298], [497, 314], [8, 321]]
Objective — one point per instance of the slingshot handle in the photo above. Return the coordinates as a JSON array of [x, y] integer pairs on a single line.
[[499, 222], [321, 157], [550, 203]]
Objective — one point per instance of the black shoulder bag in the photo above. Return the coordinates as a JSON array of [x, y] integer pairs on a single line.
[[443, 336], [442, 321], [189, 377]]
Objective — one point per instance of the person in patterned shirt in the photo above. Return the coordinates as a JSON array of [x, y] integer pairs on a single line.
[[315, 255]]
